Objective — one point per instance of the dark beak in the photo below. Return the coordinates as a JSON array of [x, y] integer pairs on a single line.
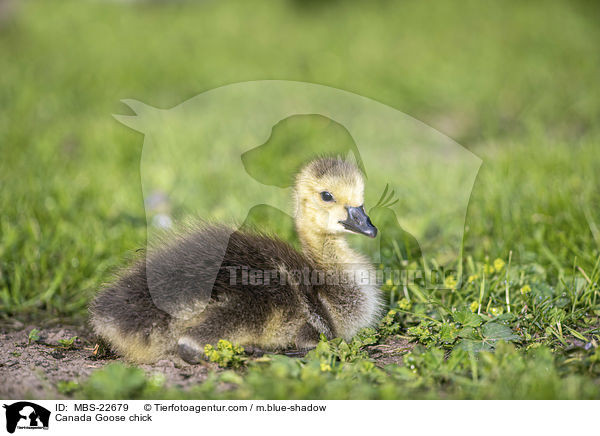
[[359, 222]]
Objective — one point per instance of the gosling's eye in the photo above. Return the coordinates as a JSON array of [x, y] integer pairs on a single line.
[[326, 196]]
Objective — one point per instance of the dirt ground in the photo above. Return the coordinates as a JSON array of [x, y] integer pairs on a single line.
[[30, 371]]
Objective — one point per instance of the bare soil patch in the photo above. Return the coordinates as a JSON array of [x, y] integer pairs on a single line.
[[391, 351], [32, 371]]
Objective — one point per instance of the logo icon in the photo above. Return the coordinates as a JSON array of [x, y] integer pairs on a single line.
[[26, 415]]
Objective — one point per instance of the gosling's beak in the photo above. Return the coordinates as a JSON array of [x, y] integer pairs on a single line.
[[359, 222]]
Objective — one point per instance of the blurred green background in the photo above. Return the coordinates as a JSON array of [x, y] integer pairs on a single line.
[[515, 82]]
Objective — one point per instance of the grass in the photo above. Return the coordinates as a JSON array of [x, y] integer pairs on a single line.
[[514, 83]]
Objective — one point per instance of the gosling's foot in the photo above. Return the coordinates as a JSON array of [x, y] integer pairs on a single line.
[[190, 351]]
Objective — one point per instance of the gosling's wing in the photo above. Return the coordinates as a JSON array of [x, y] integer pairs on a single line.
[[181, 275]]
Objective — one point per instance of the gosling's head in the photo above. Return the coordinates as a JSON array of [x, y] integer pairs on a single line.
[[330, 199]]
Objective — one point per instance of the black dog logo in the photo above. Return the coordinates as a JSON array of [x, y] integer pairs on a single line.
[[26, 415]]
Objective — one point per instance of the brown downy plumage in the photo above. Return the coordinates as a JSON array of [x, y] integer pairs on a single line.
[[335, 293]]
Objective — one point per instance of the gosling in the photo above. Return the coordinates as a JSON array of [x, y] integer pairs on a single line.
[[335, 295]]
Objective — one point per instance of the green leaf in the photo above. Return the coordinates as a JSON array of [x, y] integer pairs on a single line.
[[467, 318], [67, 343], [472, 346], [448, 333], [467, 333], [508, 316], [33, 336], [498, 332]]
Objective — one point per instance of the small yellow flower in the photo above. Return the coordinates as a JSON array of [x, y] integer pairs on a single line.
[[496, 311], [525, 289], [474, 306], [450, 282], [224, 345], [325, 367], [488, 270], [404, 304], [473, 277], [499, 264]]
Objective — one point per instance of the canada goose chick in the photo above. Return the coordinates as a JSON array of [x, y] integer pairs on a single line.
[[329, 203], [336, 295]]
